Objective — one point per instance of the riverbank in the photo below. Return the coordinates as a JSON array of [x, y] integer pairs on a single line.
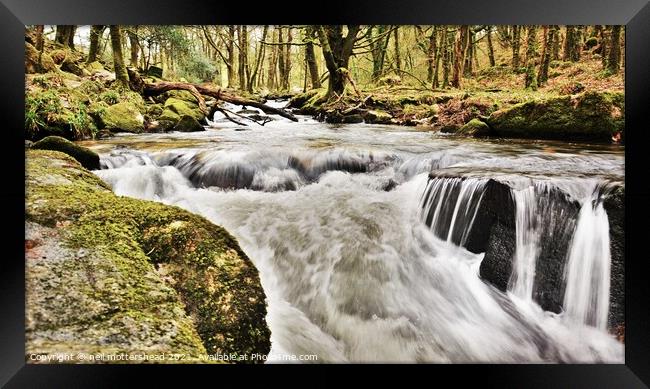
[[68, 97]]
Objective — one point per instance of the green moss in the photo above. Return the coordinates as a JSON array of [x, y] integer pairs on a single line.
[[95, 67], [32, 64], [474, 127], [378, 116], [589, 116], [124, 116], [163, 278], [188, 124], [182, 108], [88, 158]]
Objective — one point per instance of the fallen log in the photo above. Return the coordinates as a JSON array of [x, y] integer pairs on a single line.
[[162, 87], [198, 91]]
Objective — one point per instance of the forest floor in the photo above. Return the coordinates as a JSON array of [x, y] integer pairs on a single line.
[[76, 100], [448, 110]]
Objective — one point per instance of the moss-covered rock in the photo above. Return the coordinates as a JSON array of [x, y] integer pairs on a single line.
[[188, 124], [86, 157], [474, 127], [592, 116], [377, 116], [95, 67], [183, 107], [119, 275], [123, 117], [32, 61]]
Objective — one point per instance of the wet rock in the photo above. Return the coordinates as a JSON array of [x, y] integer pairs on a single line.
[[475, 128], [155, 71], [248, 112], [261, 118], [354, 118], [614, 204], [494, 234], [377, 117], [557, 217], [71, 67], [188, 124], [86, 157]]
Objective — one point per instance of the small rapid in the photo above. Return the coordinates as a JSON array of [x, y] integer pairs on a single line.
[[363, 254]]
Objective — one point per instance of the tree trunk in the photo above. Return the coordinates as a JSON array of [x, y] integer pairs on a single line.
[[550, 38], [59, 37], [448, 56], [281, 60], [531, 53], [468, 67], [258, 61], [121, 76], [286, 79], [614, 54], [516, 42], [398, 60], [95, 33], [134, 47], [273, 63], [65, 35], [230, 48], [555, 48], [460, 49], [490, 46], [72, 30], [572, 44], [440, 46], [242, 36], [378, 49], [431, 53], [337, 50], [310, 57]]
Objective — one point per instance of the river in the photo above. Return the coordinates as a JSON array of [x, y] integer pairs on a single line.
[[335, 219]]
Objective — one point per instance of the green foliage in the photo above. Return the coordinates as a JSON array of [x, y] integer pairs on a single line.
[[110, 97], [197, 68], [81, 123]]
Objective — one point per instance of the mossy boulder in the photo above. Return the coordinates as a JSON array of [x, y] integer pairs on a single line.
[[155, 71], [474, 127], [95, 67], [86, 157], [188, 124], [377, 116], [123, 117], [113, 274], [72, 67], [32, 61], [593, 116], [184, 107]]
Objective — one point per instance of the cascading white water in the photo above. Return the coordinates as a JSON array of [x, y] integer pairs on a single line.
[[449, 207], [587, 272], [527, 237], [350, 271]]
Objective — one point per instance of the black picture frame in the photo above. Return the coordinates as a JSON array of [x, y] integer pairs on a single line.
[[634, 14]]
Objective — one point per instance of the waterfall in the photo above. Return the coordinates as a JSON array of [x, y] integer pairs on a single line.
[[365, 257], [527, 237], [449, 207], [587, 271]]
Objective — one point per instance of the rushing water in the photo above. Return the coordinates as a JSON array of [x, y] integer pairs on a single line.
[[336, 220]]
